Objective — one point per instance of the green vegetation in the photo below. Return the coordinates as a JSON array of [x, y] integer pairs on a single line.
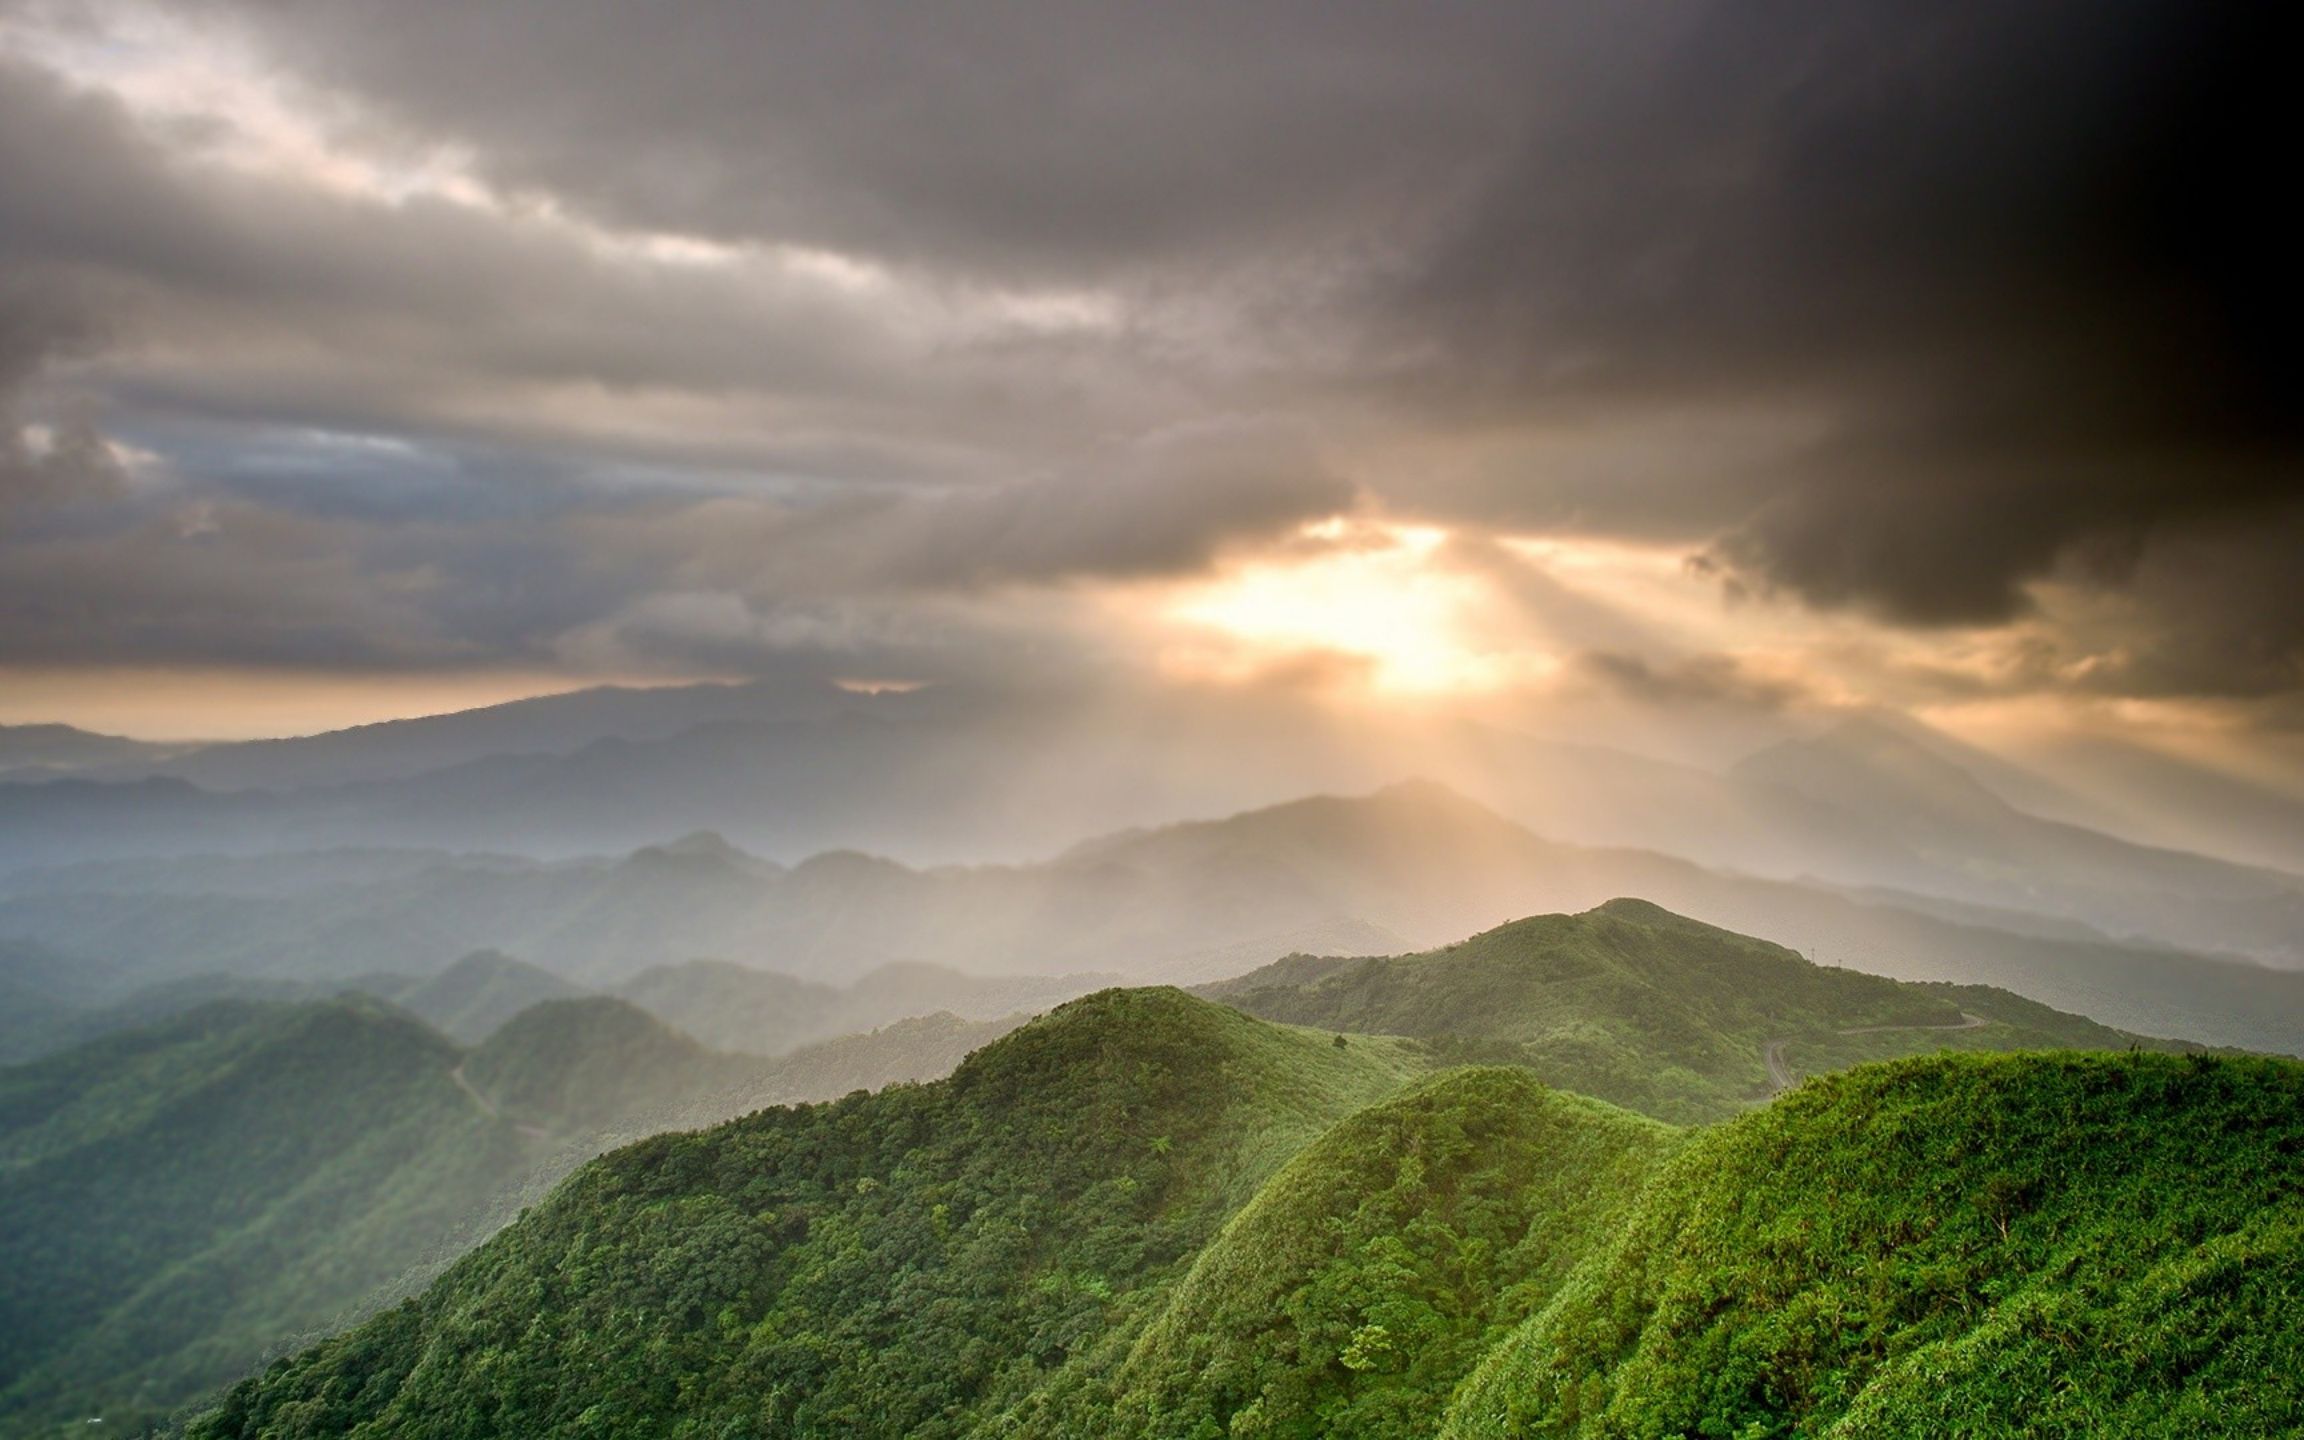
[[1648, 1009], [1154, 1217], [183, 1200], [1355, 1291], [898, 1264], [2032, 1245], [585, 1064], [1095, 1228]]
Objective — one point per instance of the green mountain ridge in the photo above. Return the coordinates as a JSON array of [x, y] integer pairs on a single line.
[[185, 1198], [1970, 1245], [1148, 1214], [803, 1270], [1650, 1010], [1379, 1265]]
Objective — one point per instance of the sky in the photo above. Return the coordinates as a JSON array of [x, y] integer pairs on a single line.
[[1572, 364]]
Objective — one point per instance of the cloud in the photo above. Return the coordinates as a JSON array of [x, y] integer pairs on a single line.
[[761, 323], [2005, 278], [1692, 680]]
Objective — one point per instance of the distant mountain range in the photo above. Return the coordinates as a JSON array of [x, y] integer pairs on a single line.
[[1411, 866], [950, 776]]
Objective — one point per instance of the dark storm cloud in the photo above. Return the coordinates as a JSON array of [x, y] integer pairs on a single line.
[[2018, 262], [1011, 138], [1899, 309], [1166, 512], [62, 465]]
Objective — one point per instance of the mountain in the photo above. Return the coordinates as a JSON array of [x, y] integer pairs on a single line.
[[947, 774], [1145, 1214], [42, 751], [738, 1007], [1378, 1266], [895, 1264], [1977, 847], [2009, 1245], [587, 1064], [186, 1199], [1409, 867], [2175, 800], [545, 725], [474, 997], [41, 991], [183, 1200], [1648, 1009]]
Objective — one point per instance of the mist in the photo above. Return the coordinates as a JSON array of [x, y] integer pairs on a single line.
[[727, 655]]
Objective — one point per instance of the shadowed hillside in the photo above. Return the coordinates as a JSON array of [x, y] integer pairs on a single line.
[[185, 1199]]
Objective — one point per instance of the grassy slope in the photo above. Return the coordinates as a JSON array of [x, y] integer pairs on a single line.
[[898, 1263], [2039, 1245], [1644, 1008], [1363, 1281]]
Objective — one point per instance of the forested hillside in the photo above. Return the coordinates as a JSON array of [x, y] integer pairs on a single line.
[[2083, 1245], [1118, 1221], [1086, 1202], [1654, 1011], [184, 1200], [907, 1263]]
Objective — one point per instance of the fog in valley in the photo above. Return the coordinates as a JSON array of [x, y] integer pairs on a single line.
[[1060, 719]]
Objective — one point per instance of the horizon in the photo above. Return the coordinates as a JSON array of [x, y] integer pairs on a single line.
[[1694, 378], [1058, 718]]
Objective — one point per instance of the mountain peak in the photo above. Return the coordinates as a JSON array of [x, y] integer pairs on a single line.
[[1863, 764], [704, 849]]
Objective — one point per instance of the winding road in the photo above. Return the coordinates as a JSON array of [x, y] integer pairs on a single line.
[[1780, 1076]]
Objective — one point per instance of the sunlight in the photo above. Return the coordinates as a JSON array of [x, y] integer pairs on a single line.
[[1368, 596]]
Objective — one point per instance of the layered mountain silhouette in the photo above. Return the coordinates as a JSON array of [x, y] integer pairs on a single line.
[[1411, 866], [1150, 1215], [793, 771], [312, 1160]]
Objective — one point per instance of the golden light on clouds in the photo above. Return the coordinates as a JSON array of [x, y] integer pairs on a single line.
[[229, 704], [1371, 604]]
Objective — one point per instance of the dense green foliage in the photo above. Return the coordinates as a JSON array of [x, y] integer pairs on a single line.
[[1150, 1216], [899, 1263], [183, 1199], [2038, 1245], [1650, 1010], [1096, 1228], [1363, 1282]]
